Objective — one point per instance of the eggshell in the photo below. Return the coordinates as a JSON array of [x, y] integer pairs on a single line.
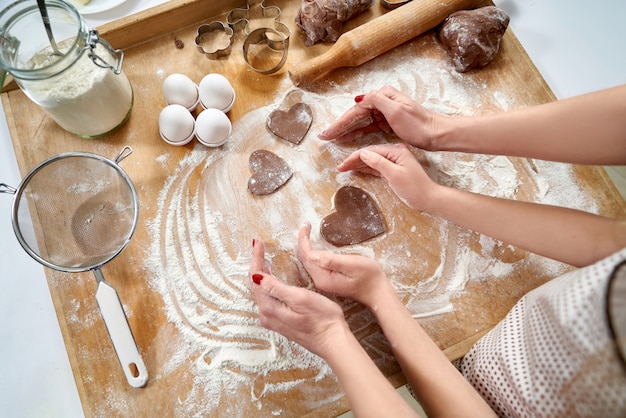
[[216, 92], [176, 125], [213, 127], [179, 89]]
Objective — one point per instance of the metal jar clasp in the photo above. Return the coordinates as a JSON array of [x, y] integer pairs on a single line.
[[93, 40]]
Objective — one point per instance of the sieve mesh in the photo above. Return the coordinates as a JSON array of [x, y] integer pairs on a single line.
[[85, 209]]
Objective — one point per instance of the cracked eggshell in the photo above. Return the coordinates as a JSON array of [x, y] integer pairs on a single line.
[[213, 127], [176, 125], [216, 92], [179, 89]]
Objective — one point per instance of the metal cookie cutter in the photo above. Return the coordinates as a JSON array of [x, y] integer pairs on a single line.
[[208, 40], [274, 41], [277, 38]]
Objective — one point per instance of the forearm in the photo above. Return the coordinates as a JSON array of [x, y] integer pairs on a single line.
[[440, 388], [587, 129], [570, 236], [370, 394]]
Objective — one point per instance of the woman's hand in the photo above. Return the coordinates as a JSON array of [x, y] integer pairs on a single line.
[[301, 315], [357, 277], [387, 110], [318, 324], [398, 166]]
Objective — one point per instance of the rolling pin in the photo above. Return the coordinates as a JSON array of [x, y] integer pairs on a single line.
[[378, 36]]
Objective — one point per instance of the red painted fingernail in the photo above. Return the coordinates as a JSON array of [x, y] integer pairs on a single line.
[[256, 278], [253, 242], [359, 98]]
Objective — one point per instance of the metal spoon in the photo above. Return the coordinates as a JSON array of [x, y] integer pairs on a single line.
[[46, 23]]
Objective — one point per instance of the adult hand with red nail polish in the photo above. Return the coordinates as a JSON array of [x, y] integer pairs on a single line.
[[318, 324], [301, 315], [387, 110], [357, 277]]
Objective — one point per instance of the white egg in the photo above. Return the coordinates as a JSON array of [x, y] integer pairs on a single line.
[[216, 92], [176, 125], [179, 89], [213, 127]]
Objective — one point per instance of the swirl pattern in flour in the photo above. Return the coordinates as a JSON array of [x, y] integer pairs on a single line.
[[206, 219], [200, 255]]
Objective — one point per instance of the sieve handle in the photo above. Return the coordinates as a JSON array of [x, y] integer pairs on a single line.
[[5, 188], [117, 325]]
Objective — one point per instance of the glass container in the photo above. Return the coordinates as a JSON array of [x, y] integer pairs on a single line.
[[83, 88]]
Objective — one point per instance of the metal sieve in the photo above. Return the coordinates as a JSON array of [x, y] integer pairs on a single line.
[[86, 208]]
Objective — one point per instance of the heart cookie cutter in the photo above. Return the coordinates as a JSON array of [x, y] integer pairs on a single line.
[[238, 19]]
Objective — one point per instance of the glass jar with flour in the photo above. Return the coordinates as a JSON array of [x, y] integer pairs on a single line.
[[73, 74]]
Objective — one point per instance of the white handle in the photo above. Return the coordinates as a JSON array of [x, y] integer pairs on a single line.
[[119, 331]]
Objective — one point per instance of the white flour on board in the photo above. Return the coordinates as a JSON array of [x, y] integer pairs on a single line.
[[200, 254]]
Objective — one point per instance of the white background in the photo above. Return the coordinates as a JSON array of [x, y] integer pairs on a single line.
[[578, 46]]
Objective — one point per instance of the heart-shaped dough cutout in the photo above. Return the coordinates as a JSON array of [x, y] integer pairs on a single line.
[[356, 219], [270, 172], [291, 125]]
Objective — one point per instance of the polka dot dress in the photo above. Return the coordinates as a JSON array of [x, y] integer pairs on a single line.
[[552, 355]]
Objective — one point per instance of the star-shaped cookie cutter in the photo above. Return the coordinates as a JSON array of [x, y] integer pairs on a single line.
[[276, 38]]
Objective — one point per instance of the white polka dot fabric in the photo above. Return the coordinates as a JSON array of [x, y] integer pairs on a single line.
[[552, 355]]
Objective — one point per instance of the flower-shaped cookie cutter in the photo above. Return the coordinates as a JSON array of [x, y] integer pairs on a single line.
[[276, 38], [209, 43]]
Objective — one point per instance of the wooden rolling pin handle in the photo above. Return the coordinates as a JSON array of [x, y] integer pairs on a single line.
[[378, 36]]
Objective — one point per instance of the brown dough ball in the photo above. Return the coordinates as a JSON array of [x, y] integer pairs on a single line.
[[322, 20], [472, 37]]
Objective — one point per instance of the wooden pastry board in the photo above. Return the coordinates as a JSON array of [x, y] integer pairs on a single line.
[[175, 387]]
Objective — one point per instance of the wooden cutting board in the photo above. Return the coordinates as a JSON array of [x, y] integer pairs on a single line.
[[182, 279]]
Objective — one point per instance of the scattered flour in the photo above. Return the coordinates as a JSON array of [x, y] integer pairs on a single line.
[[200, 239]]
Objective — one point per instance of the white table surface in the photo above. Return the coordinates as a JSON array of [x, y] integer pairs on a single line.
[[578, 46]]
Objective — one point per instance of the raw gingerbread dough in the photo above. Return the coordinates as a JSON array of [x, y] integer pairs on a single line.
[[473, 36], [356, 219], [322, 20], [293, 124], [270, 172]]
